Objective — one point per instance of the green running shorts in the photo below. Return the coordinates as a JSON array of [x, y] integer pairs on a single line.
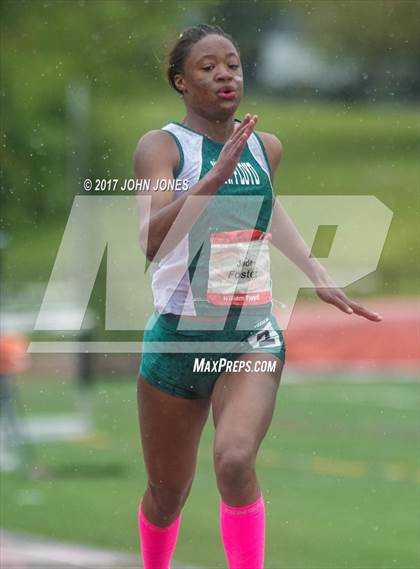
[[186, 371]]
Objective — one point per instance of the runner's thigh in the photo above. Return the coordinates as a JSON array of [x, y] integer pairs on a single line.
[[243, 404], [170, 430]]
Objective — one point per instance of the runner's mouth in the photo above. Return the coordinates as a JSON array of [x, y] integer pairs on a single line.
[[227, 93]]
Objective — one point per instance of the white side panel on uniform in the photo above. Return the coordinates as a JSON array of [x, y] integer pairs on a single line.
[[170, 281], [256, 150]]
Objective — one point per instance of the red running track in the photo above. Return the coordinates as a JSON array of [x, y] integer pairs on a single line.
[[321, 338]]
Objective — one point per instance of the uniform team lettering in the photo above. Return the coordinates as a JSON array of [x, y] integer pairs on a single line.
[[244, 174]]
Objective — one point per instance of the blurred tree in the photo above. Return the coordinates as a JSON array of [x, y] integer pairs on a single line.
[[116, 46], [381, 36], [367, 29]]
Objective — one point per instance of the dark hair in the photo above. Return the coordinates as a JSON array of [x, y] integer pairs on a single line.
[[182, 47]]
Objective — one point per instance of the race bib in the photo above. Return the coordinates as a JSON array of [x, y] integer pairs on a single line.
[[239, 268]]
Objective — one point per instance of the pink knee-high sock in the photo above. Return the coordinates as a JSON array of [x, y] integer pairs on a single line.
[[243, 534], [157, 544]]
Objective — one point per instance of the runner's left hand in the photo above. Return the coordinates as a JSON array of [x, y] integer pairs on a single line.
[[328, 292], [337, 297]]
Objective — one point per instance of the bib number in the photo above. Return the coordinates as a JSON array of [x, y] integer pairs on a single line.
[[266, 337]]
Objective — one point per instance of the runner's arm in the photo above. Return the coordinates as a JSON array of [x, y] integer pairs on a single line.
[[286, 237]]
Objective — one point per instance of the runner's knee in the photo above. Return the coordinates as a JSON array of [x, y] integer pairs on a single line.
[[234, 466], [169, 498]]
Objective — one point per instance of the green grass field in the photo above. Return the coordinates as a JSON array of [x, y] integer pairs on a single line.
[[339, 470]]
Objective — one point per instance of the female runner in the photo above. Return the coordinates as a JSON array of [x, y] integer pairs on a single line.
[[215, 246]]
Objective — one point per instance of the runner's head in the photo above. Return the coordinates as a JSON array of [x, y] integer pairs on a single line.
[[205, 67]]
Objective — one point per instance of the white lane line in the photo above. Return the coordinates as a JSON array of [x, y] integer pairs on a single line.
[[19, 551]]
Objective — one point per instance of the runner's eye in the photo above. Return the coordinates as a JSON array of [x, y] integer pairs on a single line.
[[234, 66], [208, 67]]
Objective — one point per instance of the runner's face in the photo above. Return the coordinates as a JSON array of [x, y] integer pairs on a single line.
[[212, 82]]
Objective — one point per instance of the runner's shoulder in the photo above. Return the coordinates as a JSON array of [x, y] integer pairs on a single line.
[[157, 145], [273, 147]]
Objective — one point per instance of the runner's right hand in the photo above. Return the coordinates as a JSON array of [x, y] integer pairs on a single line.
[[232, 150]]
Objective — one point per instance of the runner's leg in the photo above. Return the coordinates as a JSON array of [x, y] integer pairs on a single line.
[[170, 431], [243, 406]]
